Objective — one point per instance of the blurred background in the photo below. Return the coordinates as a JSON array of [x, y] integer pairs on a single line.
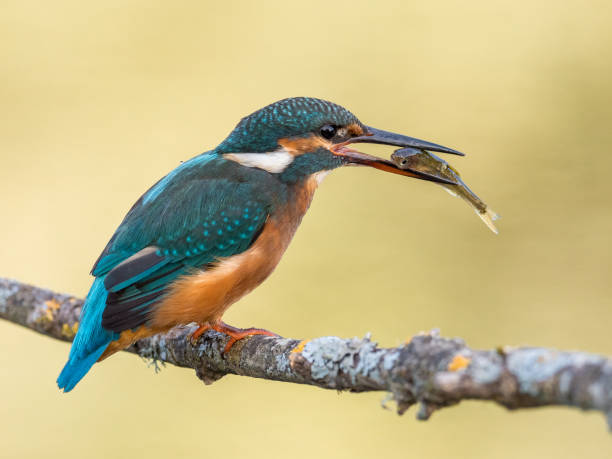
[[103, 98]]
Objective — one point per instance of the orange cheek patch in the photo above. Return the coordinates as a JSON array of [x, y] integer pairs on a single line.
[[300, 145], [355, 129]]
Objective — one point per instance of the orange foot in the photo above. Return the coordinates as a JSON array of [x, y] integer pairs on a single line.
[[234, 333]]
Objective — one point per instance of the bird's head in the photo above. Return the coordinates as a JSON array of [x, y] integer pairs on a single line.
[[301, 136]]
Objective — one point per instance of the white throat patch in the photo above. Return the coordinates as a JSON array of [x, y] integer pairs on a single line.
[[274, 162]]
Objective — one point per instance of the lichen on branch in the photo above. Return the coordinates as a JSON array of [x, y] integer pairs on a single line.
[[429, 370]]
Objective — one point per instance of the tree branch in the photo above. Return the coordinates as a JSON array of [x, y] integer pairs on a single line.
[[430, 370]]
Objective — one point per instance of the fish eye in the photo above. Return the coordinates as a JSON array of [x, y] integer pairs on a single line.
[[328, 131]]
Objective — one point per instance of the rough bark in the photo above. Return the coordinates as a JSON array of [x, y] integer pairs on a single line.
[[429, 370]]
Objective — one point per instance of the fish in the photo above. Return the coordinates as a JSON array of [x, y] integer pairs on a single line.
[[425, 162]]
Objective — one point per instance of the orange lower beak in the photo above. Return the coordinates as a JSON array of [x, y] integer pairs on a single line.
[[373, 135], [354, 157]]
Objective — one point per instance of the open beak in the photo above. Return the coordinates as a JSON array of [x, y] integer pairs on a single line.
[[389, 138]]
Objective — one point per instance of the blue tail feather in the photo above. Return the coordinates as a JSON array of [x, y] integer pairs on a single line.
[[76, 368], [91, 339]]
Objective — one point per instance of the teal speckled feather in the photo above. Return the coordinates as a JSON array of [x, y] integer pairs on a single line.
[[295, 116], [192, 220]]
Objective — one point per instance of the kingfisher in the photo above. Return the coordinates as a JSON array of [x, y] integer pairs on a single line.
[[215, 227]]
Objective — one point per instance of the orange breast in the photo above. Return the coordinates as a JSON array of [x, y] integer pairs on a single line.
[[204, 296]]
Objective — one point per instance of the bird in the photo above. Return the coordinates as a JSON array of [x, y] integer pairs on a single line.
[[215, 227]]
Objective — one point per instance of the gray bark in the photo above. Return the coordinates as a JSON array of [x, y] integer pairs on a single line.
[[430, 370]]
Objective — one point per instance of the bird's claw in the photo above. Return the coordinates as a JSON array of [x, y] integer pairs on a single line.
[[235, 334], [244, 333], [195, 336]]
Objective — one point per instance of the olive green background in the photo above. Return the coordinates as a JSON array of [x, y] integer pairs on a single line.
[[100, 99]]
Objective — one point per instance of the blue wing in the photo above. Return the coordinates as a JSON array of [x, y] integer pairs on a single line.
[[178, 226]]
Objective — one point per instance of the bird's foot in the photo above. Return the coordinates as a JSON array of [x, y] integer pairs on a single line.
[[195, 336], [234, 333], [237, 334]]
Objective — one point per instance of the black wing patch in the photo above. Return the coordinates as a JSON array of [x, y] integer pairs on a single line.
[[134, 268]]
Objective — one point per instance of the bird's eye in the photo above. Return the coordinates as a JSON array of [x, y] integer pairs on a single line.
[[328, 131]]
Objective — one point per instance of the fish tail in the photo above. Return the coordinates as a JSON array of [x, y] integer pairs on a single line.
[[488, 216]]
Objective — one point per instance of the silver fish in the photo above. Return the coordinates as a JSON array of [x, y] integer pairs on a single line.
[[426, 162]]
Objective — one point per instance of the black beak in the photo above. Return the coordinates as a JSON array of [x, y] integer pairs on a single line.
[[389, 138]]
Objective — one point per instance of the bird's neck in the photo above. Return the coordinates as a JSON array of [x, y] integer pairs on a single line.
[[288, 214], [308, 165]]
